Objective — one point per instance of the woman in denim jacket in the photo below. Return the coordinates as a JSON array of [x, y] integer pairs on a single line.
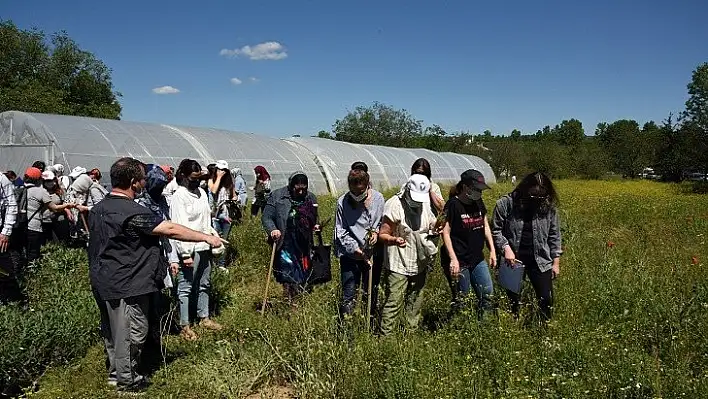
[[526, 229]]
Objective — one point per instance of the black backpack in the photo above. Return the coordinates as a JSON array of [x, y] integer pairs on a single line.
[[21, 197]]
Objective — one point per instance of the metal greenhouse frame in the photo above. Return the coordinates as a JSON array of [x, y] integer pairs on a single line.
[[91, 142]]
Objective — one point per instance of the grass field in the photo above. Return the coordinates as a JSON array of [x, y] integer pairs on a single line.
[[631, 319]]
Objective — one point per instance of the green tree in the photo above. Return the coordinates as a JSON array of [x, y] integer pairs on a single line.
[[550, 158], [507, 158], [378, 124], [680, 148], [624, 143], [590, 160], [435, 138], [569, 132], [323, 134], [697, 103], [515, 134], [53, 75]]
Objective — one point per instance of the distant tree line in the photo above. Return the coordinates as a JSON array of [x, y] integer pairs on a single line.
[[624, 147]]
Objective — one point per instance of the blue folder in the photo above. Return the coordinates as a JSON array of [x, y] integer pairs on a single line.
[[511, 276]]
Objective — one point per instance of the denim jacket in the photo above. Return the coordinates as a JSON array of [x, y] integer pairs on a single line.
[[507, 227]]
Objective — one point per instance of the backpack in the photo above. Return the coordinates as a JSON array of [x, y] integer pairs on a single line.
[[21, 199]]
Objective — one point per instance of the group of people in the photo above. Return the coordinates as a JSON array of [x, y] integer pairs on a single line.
[[43, 205], [395, 242], [157, 228], [161, 227]]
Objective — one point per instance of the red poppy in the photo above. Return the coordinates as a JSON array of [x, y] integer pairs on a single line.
[[694, 260], [610, 244]]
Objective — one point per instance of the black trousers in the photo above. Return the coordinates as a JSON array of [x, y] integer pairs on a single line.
[[542, 283], [35, 241], [256, 208]]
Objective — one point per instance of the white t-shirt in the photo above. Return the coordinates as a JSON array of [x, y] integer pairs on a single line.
[[194, 212]]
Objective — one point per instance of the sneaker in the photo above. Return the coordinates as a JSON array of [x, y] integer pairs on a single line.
[[113, 382], [223, 269], [188, 334], [210, 324], [136, 388]]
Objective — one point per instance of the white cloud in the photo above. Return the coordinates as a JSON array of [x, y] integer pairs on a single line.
[[236, 81], [263, 51], [165, 90], [254, 79]]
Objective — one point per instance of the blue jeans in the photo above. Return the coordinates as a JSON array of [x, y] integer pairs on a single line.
[[193, 284], [355, 273], [224, 229], [479, 279]]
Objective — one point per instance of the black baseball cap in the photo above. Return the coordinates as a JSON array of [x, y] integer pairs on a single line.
[[474, 178]]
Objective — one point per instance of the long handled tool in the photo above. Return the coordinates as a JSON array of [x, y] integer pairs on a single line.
[[368, 297], [83, 219], [267, 285]]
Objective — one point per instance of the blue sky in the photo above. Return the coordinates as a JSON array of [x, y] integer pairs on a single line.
[[464, 65]]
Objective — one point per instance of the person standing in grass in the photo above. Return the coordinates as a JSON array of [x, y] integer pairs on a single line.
[[240, 187], [261, 190], [190, 207], [126, 267], [407, 223], [358, 219], [290, 219], [526, 229], [221, 191], [465, 233]]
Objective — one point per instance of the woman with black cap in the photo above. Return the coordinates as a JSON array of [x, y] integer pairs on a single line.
[[290, 218], [465, 233]]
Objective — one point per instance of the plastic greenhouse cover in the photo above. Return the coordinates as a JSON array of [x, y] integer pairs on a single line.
[[91, 142]]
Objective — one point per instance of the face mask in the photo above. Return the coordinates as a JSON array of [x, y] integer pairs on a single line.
[[473, 195], [412, 204], [193, 184], [358, 198]]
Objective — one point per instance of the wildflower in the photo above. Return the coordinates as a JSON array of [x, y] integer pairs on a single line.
[[694, 260], [610, 244]]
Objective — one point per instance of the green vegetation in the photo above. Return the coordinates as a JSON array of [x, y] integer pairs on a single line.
[[629, 322], [53, 75], [624, 147]]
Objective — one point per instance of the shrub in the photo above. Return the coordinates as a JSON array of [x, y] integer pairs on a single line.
[[60, 323]]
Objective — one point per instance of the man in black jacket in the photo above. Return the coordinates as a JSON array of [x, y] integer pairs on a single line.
[[127, 266]]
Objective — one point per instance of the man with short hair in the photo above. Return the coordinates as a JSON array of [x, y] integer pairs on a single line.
[[358, 218], [126, 266]]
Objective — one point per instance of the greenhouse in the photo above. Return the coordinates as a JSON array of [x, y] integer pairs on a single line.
[[97, 143]]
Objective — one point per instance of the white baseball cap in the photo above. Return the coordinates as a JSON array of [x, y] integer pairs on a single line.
[[78, 171], [419, 188], [48, 175], [221, 164], [59, 168]]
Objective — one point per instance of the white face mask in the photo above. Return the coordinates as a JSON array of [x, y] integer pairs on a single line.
[[358, 198]]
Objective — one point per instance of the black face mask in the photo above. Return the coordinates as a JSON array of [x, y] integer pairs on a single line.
[[193, 184]]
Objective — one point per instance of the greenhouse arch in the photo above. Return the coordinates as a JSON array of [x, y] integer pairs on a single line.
[[91, 142]]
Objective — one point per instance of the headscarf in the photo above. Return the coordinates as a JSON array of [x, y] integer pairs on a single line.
[[261, 173], [155, 182], [302, 210]]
